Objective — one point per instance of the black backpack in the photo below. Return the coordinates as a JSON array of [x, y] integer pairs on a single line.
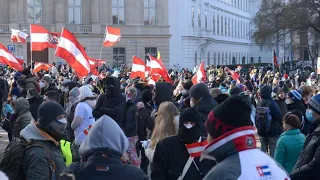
[[12, 160], [263, 119]]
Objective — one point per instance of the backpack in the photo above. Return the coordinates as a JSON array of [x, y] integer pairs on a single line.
[[263, 119], [12, 160]]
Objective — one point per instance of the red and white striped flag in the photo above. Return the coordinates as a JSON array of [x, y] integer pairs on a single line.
[[195, 149], [113, 35], [73, 52], [6, 57], [158, 68], [20, 60], [39, 66], [87, 130], [93, 66], [138, 68], [102, 76], [235, 76], [18, 36], [200, 75], [41, 38]]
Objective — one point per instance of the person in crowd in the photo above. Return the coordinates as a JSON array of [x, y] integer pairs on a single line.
[[83, 118], [166, 124], [171, 155], [269, 137], [306, 166], [232, 144], [52, 95], [133, 96], [112, 102], [296, 105], [46, 161], [185, 91], [307, 93], [22, 115], [280, 98], [72, 103], [290, 142], [102, 153], [46, 85], [221, 97], [215, 92], [147, 107], [202, 100]]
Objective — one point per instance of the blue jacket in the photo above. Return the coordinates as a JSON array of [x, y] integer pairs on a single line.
[[288, 148]]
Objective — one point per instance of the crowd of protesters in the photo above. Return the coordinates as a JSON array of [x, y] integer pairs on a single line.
[[122, 128]]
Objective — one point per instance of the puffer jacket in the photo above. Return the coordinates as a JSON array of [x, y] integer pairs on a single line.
[[307, 166], [24, 117], [36, 164], [129, 116], [239, 158]]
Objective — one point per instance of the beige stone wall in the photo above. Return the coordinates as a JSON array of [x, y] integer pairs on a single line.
[[95, 15]]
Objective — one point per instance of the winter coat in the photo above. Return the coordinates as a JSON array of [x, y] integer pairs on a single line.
[[239, 158], [50, 88], [36, 165], [288, 148], [34, 106], [24, 117], [204, 106], [307, 166], [282, 105], [113, 107], [170, 157], [299, 108], [101, 155], [129, 122], [141, 126]]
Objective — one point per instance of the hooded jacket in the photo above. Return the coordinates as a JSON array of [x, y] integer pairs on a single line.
[[24, 117], [36, 163], [102, 151], [34, 106], [112, 107], [239, 158]]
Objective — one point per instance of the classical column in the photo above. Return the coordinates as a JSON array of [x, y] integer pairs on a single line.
[[96, 27], [60, 14]]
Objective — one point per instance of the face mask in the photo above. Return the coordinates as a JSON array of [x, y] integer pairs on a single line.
[[14, 98], [42, 84], [62, 89], [58, 129], [188, 126], [29, 95], [191, 103], [289, 101], [63, 120], [66, 90], [309, 115]]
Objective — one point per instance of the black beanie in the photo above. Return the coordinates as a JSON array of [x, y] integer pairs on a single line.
[[233, 113], [235, 91], [187, 85], [49, 111], [199, 90], [146, 95]]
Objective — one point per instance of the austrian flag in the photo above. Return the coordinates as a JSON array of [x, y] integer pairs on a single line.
[[6, 57], [18, 36], [195, 149], [87, 130], [41, 38], [112, 36], [138, 68], [200, 75]]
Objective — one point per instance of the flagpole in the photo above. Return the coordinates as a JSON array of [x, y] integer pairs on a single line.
[[31, 50], [104, 37]]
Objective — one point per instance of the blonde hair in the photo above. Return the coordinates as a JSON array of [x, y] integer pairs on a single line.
[[164, 123]]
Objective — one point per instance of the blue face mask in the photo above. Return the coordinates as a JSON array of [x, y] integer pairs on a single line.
[[309, 115]]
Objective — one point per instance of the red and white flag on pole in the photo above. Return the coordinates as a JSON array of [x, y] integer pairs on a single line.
[[158, 68], [138, 68], [93, 66], [200, 75], [235, 76], [73, 52], [18, 36], [113, 35], [20, 60], [195, 149], [39, 66], [102, 76], [6, 57], [41, 38], [87, 130]]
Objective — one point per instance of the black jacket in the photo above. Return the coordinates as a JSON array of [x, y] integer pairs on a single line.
[[205, 106], [129, 116], [113, 107], [308, 163], [301, 108], [34, 106], [142, 117], [282, 105], [170, 158], [101, 166], [50, 88]]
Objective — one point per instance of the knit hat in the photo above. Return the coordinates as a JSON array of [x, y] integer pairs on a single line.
[[295, 95], [199, 90], [292, 120], [74, 92], [49, 112], [286, 76], [187, 85], [17, 76], [265, 92], [314, 103], [233, 113], [281, 84], [146, 95], [22, 83], [85, 92], [235, 91], [47, 78], [221, 98], [276, 90]]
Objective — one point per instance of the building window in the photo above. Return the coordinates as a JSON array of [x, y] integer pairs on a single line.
[[118, 12], [232, 28], [149, 12], [218, 24], [222, 62], [222, 29], [35, 11], [218, 58], [208, 63], [214, 24], [225, 26], [229, 28], [195, 59], [206, 19], [74, 11], [215, 59], [192, 16], [119, 56], [199, 18], [239, 28], [150, 51]]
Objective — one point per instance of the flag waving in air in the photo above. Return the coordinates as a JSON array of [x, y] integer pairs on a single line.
[[73, 52], [41, 38], [18, 36], [39, 66], [6, 57], [138, 68], [200, 75], [113, 35], [275, 61], [158, 68], [196, 148]]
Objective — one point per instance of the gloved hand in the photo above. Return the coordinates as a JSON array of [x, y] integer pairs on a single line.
[[145, 144]]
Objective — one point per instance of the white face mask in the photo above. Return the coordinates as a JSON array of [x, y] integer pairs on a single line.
[[42, 84], [66, 90], [188, 126], [14, 98], [63, 121], [289, 101], [191, 103]]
